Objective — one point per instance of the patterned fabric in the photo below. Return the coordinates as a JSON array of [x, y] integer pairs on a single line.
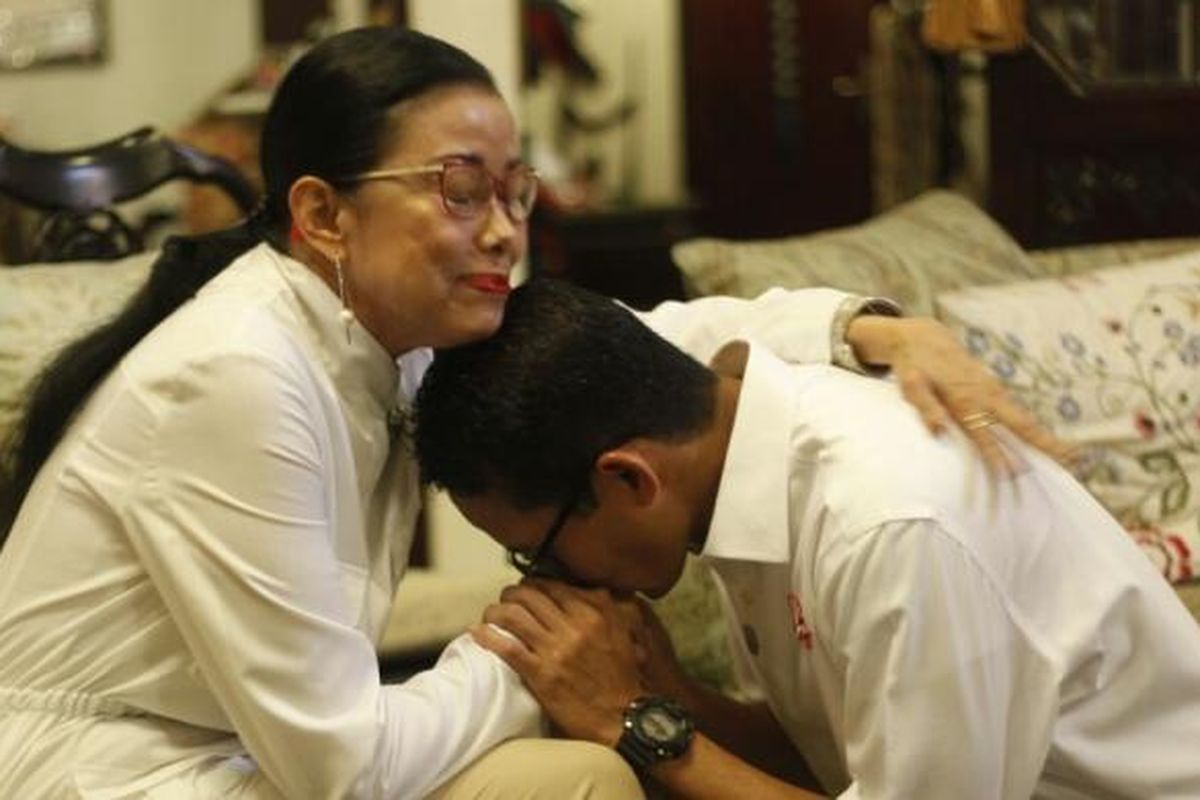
[[45, 306], [937, 242], [1111, 361]]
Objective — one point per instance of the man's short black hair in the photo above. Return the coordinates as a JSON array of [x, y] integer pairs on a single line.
[[569, 375]]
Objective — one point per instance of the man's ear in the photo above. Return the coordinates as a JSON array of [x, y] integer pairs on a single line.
[[314, 205], [630, 473]]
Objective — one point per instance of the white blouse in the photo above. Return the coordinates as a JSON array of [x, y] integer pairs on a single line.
[[193, 590]]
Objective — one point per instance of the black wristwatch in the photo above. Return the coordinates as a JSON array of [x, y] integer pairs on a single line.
[[654, 730]]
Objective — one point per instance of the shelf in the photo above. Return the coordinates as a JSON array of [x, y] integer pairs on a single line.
[[1116, 46]]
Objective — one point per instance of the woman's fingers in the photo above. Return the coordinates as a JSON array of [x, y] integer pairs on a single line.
[[579, 662], [518, 620], [531, 596], [572, 599], [993, 420], [1025, 426], [948, 386], [511, 650], [545, 613], [918, 390]]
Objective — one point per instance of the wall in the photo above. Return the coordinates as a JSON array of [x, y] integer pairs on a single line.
[[490, 31], [636, 46], [166, 59]]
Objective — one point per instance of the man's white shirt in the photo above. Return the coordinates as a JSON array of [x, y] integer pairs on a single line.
[[922, 628]]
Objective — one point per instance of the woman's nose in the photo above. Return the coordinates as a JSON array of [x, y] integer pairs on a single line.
[[500, 230]]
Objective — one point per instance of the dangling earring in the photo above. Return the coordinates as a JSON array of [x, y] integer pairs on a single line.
[[346, 315]]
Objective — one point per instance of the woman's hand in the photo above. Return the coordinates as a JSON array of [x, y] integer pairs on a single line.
[[573, 648], [945, 384]]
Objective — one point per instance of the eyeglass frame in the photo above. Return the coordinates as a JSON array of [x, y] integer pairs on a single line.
[[543, 563], [498, 184]]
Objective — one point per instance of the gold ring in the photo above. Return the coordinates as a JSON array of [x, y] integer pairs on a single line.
[[978, 420]]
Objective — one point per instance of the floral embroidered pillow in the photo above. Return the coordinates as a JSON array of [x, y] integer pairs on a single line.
[[1110, 360]]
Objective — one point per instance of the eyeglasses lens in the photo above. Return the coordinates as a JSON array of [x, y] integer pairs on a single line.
[[468, 189], [520, 188]]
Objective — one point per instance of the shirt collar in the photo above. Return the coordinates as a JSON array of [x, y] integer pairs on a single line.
[[413, 366], [750, 515], [361, 368]]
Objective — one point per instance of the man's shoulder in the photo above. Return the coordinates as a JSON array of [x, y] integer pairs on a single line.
[[869, 452]]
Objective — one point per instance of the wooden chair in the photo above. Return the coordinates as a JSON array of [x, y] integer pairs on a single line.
[[77, 190]]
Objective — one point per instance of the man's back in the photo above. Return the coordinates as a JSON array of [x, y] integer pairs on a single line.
[[968, 635]]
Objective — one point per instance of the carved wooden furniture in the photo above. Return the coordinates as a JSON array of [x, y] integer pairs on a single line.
[[1094, 130], [77, 189]]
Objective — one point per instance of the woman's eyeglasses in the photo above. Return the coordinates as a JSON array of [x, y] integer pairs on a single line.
[[468, 188]]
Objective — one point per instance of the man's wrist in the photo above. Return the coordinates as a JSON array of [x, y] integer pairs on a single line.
[[654, 730]]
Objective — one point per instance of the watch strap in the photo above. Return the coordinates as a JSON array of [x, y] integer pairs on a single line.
[[637, 754]]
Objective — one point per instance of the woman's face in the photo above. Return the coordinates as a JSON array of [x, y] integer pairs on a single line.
[[415, 274]]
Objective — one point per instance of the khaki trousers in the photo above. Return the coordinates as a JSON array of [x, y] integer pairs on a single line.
[[544, 769]]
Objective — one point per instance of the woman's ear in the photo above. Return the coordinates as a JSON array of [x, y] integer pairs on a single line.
[[628, 473], [314, 206]]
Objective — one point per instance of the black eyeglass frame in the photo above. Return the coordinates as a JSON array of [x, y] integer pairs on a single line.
[[543, 563]]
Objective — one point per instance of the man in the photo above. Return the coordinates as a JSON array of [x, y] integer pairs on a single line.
[[921, 627]]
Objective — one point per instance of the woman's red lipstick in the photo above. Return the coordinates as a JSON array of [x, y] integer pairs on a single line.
[[489, 282]]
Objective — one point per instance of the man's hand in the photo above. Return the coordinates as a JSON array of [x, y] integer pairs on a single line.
[[573, 648], [656, 659], [947, 386]]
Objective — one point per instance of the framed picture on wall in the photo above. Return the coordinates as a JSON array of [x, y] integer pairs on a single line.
[[35, 33]]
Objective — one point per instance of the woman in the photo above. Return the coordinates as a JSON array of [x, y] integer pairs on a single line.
[[211, 505]]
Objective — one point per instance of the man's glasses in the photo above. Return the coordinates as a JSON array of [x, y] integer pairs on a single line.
[[468, 188], [542, 563]]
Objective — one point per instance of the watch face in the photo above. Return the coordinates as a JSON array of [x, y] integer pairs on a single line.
[[655, 729], [659, 725]]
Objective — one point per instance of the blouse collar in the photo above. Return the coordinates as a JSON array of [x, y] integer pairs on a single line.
[[358, 364]]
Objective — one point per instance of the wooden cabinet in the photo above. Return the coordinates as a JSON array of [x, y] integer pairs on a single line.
[[620, 252], [1068, 168], [777, 128]]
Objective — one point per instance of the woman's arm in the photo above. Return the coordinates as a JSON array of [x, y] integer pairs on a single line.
[[935, 372], [798, 326], [232, 517]]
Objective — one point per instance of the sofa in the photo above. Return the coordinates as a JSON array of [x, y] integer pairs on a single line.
[[1103, 342]]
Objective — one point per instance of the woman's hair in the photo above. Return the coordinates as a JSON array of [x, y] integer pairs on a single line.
[[330, 117]]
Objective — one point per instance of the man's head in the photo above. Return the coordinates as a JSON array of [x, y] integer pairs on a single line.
[[574, 423]]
